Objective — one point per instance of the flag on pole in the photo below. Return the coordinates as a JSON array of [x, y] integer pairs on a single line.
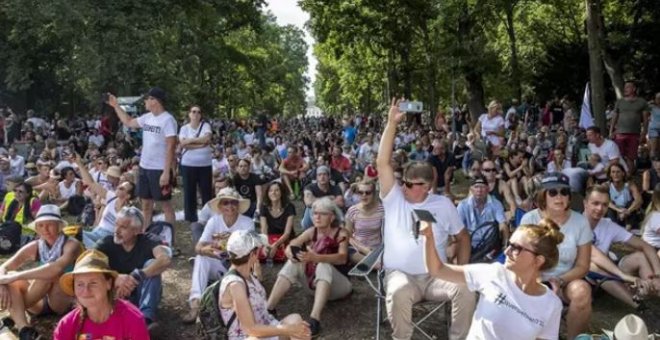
[[586, 119]]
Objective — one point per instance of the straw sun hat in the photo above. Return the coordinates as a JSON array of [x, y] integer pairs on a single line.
[[90, 261], [229, 194]]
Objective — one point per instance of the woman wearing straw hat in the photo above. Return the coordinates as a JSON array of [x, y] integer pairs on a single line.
[[229, 207], [36, 290], [98, 314], [113, 201], [242, 295]]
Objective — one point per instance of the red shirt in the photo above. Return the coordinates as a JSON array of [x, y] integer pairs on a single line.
[[340, 163], [293, 164]]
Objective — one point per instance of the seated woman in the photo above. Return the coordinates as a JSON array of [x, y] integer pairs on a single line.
[[112, 201], [276, 221], [651, 225], [22, 207], [35, 290], [532, 250], [313, 260], [243, 297], [650, 178], [364, 221], [98, 314], [625, 198], [567, 277]]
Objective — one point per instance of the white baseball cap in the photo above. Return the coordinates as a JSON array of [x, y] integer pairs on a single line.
[[242, 242]]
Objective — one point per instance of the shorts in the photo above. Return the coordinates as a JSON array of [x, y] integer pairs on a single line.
[[628, 144], [148, 185]]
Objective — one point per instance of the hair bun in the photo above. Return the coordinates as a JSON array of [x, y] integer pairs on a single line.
[[551, 229]]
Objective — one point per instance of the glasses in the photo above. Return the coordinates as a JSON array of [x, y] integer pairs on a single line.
[[410, 184], [368, 192], [516, 249], [562, 191], [488, 170], [195, 111], [229, 202]]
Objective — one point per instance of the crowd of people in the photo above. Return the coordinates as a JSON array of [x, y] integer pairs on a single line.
[[533, 237]]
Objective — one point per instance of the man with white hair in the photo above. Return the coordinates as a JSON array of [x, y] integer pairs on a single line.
[[37, 290], [140, 259]]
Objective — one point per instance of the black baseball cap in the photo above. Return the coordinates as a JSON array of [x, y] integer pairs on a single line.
[[555, 180], [478, 179], [157, 93]]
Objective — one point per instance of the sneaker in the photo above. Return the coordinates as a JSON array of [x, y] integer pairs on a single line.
[[191, 317], [191, 260], [314, 327], [28, 333]]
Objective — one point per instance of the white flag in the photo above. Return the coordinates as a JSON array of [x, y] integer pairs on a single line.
[[586, 120]]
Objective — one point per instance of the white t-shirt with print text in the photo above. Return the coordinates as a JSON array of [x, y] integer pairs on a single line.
[[155, 131], [504, 311], [402, 252]]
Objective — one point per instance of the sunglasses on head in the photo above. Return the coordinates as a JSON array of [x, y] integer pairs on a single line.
[[562, 191], [410, 184]]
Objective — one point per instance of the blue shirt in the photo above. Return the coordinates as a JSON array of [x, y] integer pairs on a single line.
[[349, 134], [493, 211]]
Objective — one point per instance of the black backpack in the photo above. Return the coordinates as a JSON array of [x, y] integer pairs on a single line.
[[76, 205], [211, 326], [489, 244], [10, 237], [162, 230]]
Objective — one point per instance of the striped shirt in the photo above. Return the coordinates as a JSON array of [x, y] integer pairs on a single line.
[[366, 229]]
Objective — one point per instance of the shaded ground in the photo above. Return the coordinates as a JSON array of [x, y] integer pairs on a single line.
[[353, 318]]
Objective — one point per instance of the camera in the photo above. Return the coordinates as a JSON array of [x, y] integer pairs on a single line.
[[411, 106]]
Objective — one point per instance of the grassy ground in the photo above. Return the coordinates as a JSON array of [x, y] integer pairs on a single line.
[[352, 318]]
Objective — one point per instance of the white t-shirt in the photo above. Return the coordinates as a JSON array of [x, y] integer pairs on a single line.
[[504, 311], [552, 166], [577, 232], [17, 165], [402, 252], [491, 125], [96, 139], [155, 131], [608, 150], [65, 192], [204, 215], [196, 157], [248, 138], [217, 225], [220, 165], [652, 230], [109, 216], [608, 232]]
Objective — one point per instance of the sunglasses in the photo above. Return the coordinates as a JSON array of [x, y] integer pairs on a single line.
[[368, 192], [229, 202], [562, 191], [409, 184], [516, 249], [488, 170]]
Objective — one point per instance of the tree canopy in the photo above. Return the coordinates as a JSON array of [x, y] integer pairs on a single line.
[[370, 50], [228, 56]]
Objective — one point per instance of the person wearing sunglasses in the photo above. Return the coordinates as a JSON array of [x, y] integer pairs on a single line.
[[499, 189], [407, 281], [363, 222], [229, 207], [567, 278], [513, 303]]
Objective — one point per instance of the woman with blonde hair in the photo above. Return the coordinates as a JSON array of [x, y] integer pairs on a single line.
[[514, 304], [491, 126], [364, 222]]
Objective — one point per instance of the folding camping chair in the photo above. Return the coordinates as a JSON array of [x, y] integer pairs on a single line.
[[364, 268]]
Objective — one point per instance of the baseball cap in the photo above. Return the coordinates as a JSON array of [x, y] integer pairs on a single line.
[[242, 242], [555, 180], [322, 169], [478, 180], [158, 93]]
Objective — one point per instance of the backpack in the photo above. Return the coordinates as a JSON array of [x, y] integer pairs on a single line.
[[489, 243], [211, 326], [10, 237], [76, 205], [162, 230]]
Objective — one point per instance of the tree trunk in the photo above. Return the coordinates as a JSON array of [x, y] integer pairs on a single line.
[[515, 68], [475, 89], [594, 32], [614, 70]]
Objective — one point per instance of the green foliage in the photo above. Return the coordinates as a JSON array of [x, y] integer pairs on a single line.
[[226, 55]]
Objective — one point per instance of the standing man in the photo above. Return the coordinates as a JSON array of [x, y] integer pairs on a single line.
[[630, 123], [157, 159], [406, 280]]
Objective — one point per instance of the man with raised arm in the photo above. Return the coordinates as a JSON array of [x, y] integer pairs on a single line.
[[406, 279]]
